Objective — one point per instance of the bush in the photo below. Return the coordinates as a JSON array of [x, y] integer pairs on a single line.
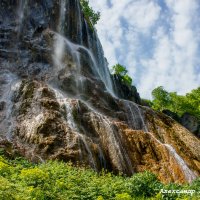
[[123, 196], [34, 177], [58, 180], [145, 184]]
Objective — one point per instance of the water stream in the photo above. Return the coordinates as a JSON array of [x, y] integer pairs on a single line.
[[134, 116], [189, 174], [64, 101], [20, 14], [63, 46], [10, 84]]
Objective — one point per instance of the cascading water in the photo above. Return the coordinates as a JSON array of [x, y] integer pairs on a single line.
[[10, 84], [64, 101], [20, 12], [79, 25], [104, 71], [189, 175], [117, 153], [117, 149], [62, 44], [59, 44], [134, 116]]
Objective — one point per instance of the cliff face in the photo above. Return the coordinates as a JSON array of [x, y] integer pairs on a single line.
[[58, 101], [187, 120]]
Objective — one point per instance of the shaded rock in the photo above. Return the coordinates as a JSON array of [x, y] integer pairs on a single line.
[[187, 120], [125, 91], [191, 123], [172, 115]]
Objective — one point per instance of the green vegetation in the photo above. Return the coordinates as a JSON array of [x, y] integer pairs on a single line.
[[21, 180], [89, 13], [121, 71], [178, 104]]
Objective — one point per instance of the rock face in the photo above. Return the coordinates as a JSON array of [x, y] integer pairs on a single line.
[[191, 123], [125, 91], [58, 101], [187, 120]]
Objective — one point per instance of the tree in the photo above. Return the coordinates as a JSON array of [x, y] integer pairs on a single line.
[[121, 72], [179, 104], [161, 98], [193, 102], [89, 13]]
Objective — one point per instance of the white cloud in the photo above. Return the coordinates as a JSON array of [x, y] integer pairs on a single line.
[[158, 41]]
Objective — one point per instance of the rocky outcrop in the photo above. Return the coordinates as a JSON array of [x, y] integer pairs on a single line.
[[58, 101], [191, 123], [187, 120], [125, 91]]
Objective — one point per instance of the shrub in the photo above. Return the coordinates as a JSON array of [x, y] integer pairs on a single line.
[[34, 177], [58, 180], [4, 167], [145, 184], [123, 196]]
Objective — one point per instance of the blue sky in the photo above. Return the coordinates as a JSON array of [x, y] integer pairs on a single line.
[[157, 40]]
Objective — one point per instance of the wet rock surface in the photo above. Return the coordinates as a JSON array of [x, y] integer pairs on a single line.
[[58, 101]]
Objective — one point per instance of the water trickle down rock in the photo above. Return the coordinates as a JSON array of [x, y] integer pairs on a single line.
[[61, 103]]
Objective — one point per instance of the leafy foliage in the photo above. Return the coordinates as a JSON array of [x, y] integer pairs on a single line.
[[121, 71], [58, 180], [89, 13], [147, 102], [179, 104]]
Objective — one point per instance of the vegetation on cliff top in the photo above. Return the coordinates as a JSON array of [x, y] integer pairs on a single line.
[[22, 180], [121, 71], [179, 104], [89, 13]]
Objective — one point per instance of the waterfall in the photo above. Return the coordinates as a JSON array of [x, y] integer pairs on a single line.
[[79, 24], [11, 83], [104, 70], [189, 174], [101, 64], [117, 148], [63, 46], [63, 101], [117, 152], [59, 42], [20, 13], [134, 116]]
